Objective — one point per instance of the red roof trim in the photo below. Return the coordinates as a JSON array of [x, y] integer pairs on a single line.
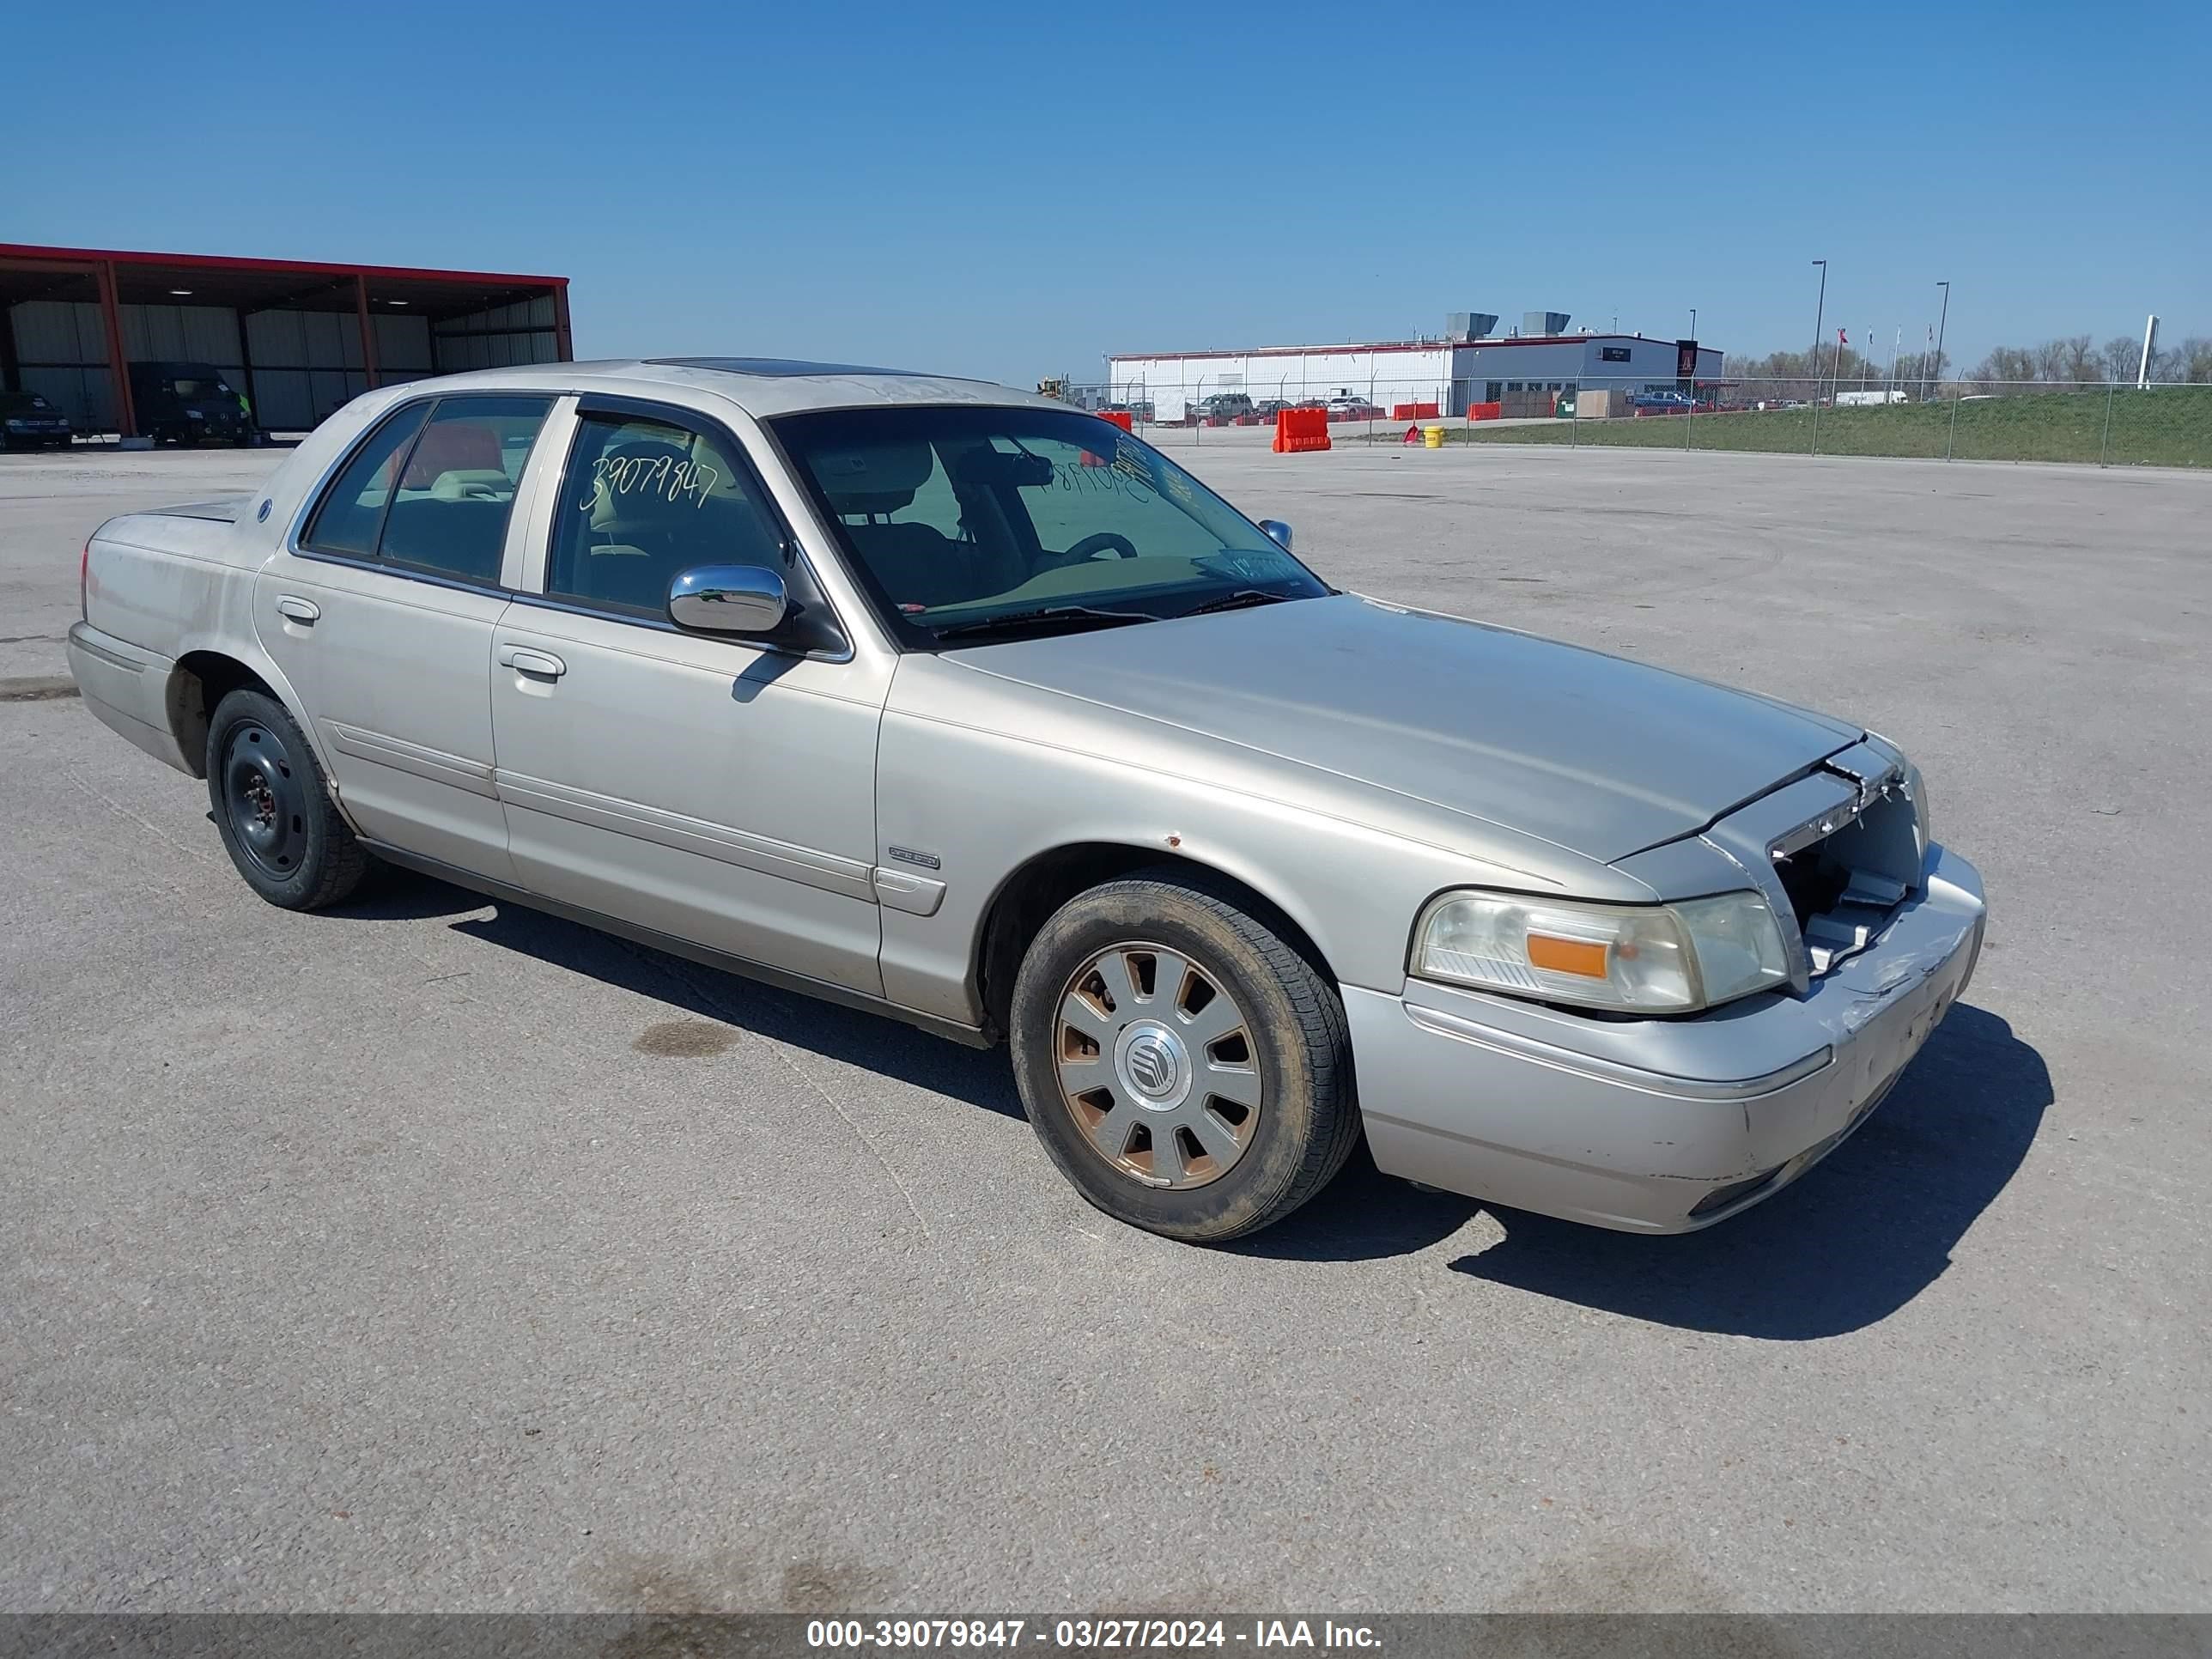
[[1398, 345], [91, 256]]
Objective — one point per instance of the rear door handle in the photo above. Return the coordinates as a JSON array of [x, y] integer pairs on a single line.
[[521, 658], [298, 609]]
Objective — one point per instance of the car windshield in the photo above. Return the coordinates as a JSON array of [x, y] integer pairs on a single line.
[[22, 403], [187, 386], [958, 519]]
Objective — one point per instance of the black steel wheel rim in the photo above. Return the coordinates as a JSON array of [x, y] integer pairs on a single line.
[[264, 797]]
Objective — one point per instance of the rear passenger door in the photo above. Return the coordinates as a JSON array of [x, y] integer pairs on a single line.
[[379, 610], [719, 789]]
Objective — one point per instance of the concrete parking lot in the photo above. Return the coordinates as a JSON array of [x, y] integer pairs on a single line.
[[429, 1253]]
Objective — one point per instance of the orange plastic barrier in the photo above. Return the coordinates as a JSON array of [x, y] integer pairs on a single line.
[[1485, 411], [1297, 430], [1120, 417], [1412, 412]]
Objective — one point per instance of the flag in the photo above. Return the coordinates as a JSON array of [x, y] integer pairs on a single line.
[[1841, 340]]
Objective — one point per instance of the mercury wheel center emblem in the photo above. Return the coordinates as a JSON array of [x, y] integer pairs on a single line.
[[1153, 1065]]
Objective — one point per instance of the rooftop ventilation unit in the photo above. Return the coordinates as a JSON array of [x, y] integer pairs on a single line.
[[1544, 322], [1463, 325]]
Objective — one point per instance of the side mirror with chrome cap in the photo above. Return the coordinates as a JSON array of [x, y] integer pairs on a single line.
[[1280, 532], [728, 598]]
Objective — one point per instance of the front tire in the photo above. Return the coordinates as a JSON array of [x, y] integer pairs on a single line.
[[1187, 1069], [273, 806]]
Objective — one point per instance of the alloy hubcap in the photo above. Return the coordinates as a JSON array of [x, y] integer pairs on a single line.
[[1157, 1066]]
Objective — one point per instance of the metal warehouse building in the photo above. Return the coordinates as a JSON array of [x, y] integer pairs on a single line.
[[1464, 366], [298, 338]]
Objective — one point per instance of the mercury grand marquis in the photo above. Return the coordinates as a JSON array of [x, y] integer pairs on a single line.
[[965, 707]]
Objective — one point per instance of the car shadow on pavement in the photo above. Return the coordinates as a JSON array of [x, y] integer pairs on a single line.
[[390, 894], [871, 1042], [1845, 1246], [1363, 1215]]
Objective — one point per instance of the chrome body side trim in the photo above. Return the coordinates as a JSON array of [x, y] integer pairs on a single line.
[[424, 762], [901, 890], [849, 878], [971, 1037]]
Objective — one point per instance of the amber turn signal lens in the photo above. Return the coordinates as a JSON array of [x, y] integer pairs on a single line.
[[1566, 955]]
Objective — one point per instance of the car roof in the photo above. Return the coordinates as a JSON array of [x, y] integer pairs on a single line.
[[761, 386]]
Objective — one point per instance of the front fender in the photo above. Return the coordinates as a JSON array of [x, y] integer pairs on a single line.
[[984, 802]]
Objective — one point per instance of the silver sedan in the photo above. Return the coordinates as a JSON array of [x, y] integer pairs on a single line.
[[964, 706]]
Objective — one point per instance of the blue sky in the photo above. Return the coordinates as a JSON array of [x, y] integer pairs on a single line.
[[1012, 190]]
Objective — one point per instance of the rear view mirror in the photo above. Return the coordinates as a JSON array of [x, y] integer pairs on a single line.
[[727, 598], [1279, 531]]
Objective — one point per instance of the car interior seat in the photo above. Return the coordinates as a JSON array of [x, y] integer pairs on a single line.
[[916, 564], [657, 507], [458, 460], [450, 514]]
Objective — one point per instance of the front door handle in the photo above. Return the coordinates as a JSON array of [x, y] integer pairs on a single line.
[[301, 611], [524, 660]]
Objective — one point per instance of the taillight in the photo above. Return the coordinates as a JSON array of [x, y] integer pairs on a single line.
[[83, 581]]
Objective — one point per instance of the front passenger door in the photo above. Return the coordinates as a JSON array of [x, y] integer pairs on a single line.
[[719, 789]]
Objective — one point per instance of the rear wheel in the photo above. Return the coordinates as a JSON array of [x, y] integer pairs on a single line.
[[273, 808], [1184, 1066]]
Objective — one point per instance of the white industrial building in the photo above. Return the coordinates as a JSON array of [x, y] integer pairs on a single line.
[[1466, 366]]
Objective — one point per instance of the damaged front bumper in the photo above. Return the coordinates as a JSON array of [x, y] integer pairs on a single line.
[[1656, 1124]]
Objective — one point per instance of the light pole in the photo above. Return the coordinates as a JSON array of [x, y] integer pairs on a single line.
[[1820, 316], [1693, 322], [1940, 322]]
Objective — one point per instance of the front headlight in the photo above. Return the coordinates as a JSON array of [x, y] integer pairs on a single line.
[[1658, 959]]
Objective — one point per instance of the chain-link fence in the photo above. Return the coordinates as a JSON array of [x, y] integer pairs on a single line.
[[2098, 422]]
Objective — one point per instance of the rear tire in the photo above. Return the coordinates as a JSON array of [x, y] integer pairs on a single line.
[[1185, 1068], [273, 806]]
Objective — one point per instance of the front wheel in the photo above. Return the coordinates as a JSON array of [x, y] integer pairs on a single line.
[[1184, 1066], [273, 809]]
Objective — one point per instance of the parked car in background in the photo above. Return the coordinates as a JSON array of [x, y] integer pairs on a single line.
[[1221, 406], [188, 403], [29, 421], [1349, 407], [957, 704]]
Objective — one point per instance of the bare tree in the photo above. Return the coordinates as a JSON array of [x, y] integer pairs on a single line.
[[2009, 363], [2191, 359], [1919, 372], [2119, 358]]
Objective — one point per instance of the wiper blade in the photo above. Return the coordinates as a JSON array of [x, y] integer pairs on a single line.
[[1238, 601], [1049, 615]]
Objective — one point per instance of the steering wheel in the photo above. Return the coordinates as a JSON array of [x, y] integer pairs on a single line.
[[1092, 546]]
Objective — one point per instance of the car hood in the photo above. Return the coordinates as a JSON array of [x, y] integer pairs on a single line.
[[1591, 752]]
